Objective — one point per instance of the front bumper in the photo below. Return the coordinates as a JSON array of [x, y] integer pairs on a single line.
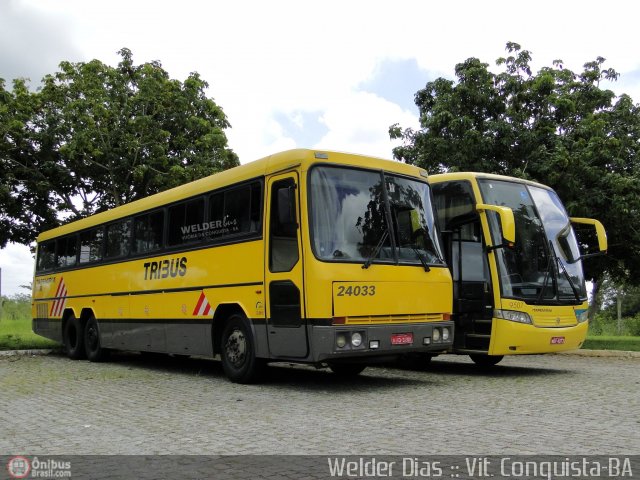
[[511, 338], [377, 340]]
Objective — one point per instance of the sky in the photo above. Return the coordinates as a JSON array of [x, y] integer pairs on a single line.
[[332, 75]]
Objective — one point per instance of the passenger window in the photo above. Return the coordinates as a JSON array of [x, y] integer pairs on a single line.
[[66, 250], [235, 212], [148, 231], [186, 222], [118, 239], [46, 255], [91, 245]]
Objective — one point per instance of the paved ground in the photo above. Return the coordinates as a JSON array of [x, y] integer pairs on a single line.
[[556, 404]]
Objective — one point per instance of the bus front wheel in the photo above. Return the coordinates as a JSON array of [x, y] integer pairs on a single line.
[[93, 346], [238, 351], [73, 338], [483, 360]]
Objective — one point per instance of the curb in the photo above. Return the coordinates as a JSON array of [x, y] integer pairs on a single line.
[[601, 353], [32, 353]]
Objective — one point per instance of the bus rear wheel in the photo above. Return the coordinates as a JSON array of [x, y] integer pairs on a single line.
[[238, 351], [73, 338], [483, 360], [93, 346]]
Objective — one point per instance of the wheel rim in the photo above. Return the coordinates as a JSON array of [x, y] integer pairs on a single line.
[[236, 348]]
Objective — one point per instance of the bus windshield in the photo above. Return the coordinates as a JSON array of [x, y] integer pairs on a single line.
[[368, 216], [542, 267]]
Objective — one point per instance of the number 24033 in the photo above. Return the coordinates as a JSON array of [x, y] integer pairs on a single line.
[[357, 291]]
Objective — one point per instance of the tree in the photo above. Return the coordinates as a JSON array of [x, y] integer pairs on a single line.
[[94, 137], [556, 127]]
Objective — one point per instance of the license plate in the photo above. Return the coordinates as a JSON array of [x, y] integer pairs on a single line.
[[402, 339], [557, 340]]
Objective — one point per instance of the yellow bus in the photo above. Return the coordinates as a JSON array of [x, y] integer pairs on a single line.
[[304, 256], [519, 286]]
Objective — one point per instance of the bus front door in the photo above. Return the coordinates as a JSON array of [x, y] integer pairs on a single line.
[[286, 324]]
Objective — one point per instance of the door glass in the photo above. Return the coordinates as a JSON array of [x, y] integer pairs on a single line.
[[283, 252]]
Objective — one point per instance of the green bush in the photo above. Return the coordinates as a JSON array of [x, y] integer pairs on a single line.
[[606, 324]]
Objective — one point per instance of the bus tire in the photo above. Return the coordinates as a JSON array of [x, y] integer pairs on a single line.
[[347, 369], [238, 351], [483, 360], [73, 338], [92, 343]]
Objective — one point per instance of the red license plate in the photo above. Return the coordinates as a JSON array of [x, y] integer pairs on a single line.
[[402, 339], [557, 340]]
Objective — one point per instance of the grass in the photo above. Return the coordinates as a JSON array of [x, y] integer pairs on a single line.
[[629, 344], [17, 335]]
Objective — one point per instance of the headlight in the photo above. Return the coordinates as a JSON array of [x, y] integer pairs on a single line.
[[356, 339], [582, 315], [436, 334], [445, 334], [341, 341], [512, 316]]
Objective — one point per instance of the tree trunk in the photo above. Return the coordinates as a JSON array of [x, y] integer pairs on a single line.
[[619, 305], [594, 304]]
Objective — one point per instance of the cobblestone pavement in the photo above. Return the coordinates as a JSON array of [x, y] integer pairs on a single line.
[[555, 404]]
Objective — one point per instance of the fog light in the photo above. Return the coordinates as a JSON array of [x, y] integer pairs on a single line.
[[356, 339], [341, 341], [374, 344], [426, 341], [445, 334], [436, 335]]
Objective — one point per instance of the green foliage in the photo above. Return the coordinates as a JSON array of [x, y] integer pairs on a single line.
[[95, 136], [556, 126], [17, 307], [15, 326], [606, 323]]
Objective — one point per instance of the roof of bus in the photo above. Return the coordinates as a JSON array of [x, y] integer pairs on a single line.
[[443, 177], [265, 166]]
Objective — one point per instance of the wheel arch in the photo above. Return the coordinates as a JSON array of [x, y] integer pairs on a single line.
[[220, 317]]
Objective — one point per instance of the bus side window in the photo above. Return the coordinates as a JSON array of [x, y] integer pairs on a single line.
[[148, 230], [46, 256], [283, 254], [118, 239], [66, 250], [91, 245]]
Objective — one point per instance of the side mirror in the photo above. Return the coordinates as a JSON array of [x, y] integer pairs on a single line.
[[600, 231], [507, 221]]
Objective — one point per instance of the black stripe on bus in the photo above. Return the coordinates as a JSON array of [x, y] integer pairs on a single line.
[[150, 292]]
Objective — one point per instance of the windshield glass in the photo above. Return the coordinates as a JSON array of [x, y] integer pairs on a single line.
[[541, 267], [361, 216]]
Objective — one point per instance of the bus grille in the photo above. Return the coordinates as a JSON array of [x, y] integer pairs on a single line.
[[42, 310], [554, 320], [383, 319]]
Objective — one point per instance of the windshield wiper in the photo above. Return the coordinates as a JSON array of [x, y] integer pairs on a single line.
[[576, 294], [423, 261], [369, 261]]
